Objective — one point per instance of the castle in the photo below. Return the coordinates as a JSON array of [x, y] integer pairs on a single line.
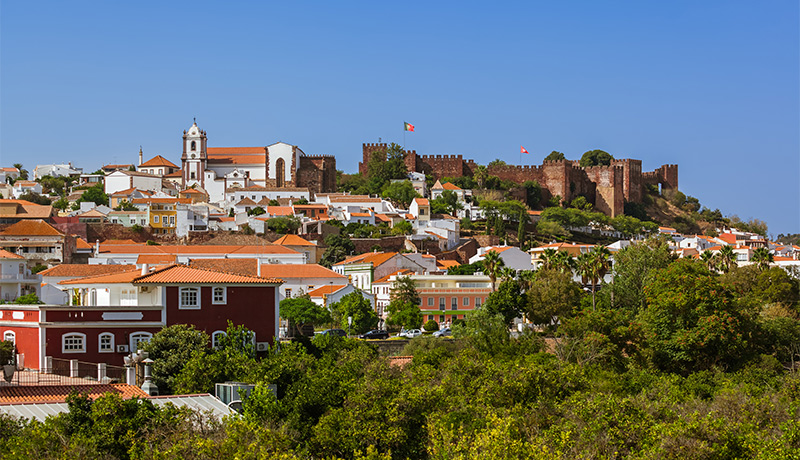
[[280, 165], [608, 188]]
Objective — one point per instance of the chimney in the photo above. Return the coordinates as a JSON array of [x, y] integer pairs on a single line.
[[145, 269], [96, 248], [140, 155], [258, 267]]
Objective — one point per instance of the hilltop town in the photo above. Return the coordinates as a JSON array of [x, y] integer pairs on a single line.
[[102, 271]]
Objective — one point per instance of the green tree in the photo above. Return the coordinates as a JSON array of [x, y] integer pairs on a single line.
[[61, 204], [338, 248], [170, 349], [404, 303], [356, 306], [257, 211], [385, 165], [23, 173], [533, 194], [492, 263], [28, 299], [400, 193], [283, 225], [593, 266], [725, 259], [507, 301], [302, 311], [762, 258], [551, 297], [403, 228], [480, 175], [95, 195], [635, 267], [596, 158], [708, 258], [555, 156], [35, 198], [691, 322], [446, 203]]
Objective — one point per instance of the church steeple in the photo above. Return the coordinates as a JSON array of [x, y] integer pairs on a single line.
[[193, 160]]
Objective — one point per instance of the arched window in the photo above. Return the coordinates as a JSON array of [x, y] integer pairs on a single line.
[[216, 338], [9, 336], [73, 342], [93, 297], [137, 337], [105, 342], [194, 146], [280, 167]]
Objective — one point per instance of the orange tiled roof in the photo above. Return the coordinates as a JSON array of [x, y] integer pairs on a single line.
[[353, 199], [360, 214], [157, 259], [325, 290], [9, 169], [9, 255], [382, 218], [123, 277], [292, 240], [239, 266], [24, 183], [177, 173], [385, 279], [449, 186], [80, 243], [59, 393], [158, 160], [279, 210], [31, 228], [128, 241], [92, 213], [245, 202], [25, 209], [783, 258], [237, 155], [192, 190], [286, 271], [375, 258], [729, 238], [84, 270], [422, 201], [266, 248], [447, 263], [182, 274]]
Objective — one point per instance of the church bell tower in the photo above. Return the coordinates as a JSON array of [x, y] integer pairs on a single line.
[[194, 158]]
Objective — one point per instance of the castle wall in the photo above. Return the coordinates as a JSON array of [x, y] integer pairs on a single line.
[[609, 195], [443, 165], [318, 173]]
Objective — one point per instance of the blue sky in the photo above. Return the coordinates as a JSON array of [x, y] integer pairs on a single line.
[[713, 87]]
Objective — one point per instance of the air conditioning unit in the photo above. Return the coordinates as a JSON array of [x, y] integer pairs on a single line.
[[262, 346], [122, 348]]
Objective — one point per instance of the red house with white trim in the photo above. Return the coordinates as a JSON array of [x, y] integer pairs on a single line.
[[109, 314]]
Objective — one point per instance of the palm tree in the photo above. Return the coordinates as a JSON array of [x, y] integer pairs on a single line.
[[526, 279], [726, 259], [593, 266], [492, 264], [563, 262], [546, 258], [708, 258], [507, 273], [762, 258]]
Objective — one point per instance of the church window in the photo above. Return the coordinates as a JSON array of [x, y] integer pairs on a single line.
[[191, 175], [194, 146], [280, 167]]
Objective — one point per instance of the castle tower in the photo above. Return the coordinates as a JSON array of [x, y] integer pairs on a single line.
[[194, 158]]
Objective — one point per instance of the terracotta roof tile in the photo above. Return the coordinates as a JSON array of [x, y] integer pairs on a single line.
[[111, 278], [245, 202], [280, 210], [450, 186], [288, 271], [266, 248], [84, 270], [447, 263], [325, 290], [80, 243], [22, 209], [59, 393], [9, 255], [375, 258], [239, 266], [171, 200], [182, 274], [385, 279], [292, 240], [128, 241], [422, 201], [360, 214], [353, 199], [157, 259], [31, 228], [158, 160]]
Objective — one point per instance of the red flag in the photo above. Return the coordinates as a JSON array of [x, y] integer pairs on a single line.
[[522, 150]]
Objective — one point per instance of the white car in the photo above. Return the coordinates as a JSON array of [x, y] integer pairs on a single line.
[[410, 333]]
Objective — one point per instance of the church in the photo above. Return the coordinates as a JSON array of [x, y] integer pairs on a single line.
[[279, 166]]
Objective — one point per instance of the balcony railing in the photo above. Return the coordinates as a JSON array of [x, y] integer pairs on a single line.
[[68, 372]]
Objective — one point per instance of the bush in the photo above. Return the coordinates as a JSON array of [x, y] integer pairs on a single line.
[[431, 326], [6, 353], [38, 268], [136, 228], [28, 299]]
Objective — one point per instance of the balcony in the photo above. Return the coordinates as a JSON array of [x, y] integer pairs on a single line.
[[18, 278]]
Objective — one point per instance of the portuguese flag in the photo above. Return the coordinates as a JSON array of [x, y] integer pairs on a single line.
[[408, 127]]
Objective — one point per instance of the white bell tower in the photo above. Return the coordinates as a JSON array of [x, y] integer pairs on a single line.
[[193, 160]]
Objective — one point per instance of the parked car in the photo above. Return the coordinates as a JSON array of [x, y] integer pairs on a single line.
[[445, 332], [375, 334], [339, 332], [410, 333]]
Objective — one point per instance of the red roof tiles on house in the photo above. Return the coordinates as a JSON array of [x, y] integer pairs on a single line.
[[287, 271], [158, 160], [59, 393], [375, 258], [292, 240], [159, 259], [84, 270], [31, 228], [247, 267], [9, 255], [182, 274], [326, 290]]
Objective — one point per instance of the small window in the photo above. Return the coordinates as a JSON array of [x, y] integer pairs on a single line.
[[216, 337], [106, 342], [430, 301], [441, 303], [441, 318], [466, 301], [189, 297], [287, 293], [454, 303], [191, 175], [74, 342], [155, 219], [9, 336], [138, 337], [219, 295], [478, 302], [194, 146]]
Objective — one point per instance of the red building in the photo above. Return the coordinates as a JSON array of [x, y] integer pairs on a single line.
[[109, 314]]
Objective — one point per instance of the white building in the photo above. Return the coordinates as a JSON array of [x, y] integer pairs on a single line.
[[21, 187], [301, 279], [513, 257], [15, 278], [56, 170], [124, 180]]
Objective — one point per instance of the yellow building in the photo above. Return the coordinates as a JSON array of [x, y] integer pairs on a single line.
[[162, 213]]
